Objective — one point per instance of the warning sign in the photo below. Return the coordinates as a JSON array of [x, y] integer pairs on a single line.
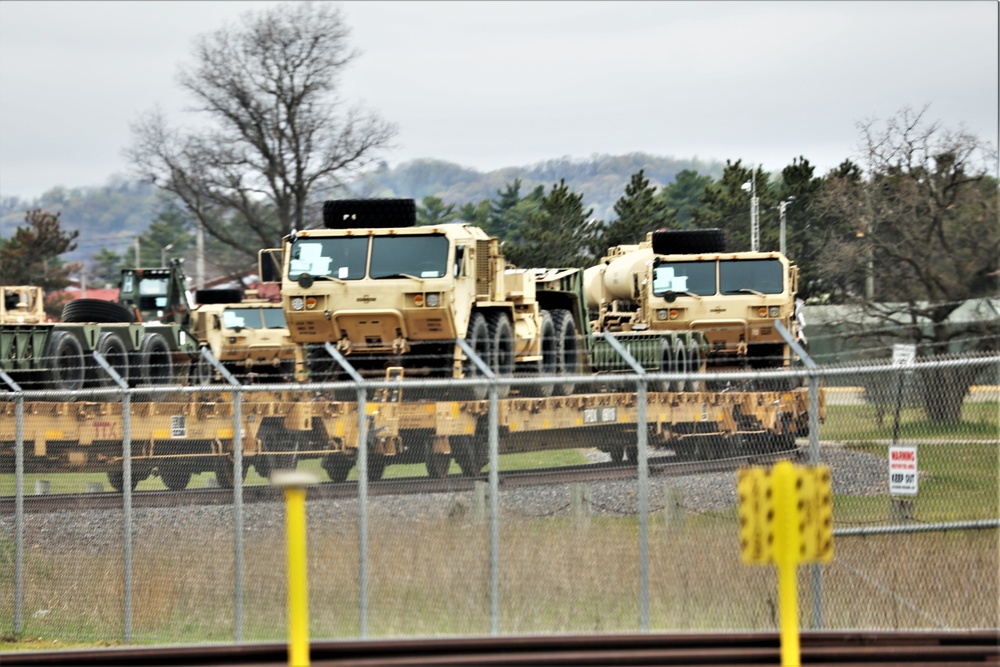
[[903, 471]]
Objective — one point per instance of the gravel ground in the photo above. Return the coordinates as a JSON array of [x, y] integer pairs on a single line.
[[854, 473]]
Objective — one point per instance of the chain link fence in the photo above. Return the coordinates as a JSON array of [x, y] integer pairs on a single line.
[[646, 541]]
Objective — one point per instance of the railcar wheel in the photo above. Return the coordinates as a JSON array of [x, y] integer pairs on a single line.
[[617, 454], [337, 466], [478, 338], [66, 368], [376, 467], [470, 458], [117, 479], [567, 350], [112, 348], [438, 465], [175, 480], [224, 474], [549, 364], [501, 361]]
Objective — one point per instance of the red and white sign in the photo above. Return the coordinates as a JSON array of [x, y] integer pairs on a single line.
[[903, 471]]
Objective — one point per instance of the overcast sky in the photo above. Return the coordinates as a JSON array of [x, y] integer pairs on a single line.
[[495, 84]]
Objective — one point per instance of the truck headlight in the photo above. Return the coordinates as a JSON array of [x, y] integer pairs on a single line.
[[661, 314], [772, 311], [433, 299], [298, 303]]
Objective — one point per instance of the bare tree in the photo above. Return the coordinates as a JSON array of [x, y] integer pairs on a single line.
[[925, 240], [278, 135]]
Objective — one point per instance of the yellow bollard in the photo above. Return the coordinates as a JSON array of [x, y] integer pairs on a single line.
[[294, 483], [787, 545]]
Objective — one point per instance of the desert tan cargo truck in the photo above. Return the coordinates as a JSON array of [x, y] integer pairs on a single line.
[[388, 293]]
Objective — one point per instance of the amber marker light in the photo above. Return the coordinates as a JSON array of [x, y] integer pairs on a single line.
[[310, 302], [418, 300], [674, 314]]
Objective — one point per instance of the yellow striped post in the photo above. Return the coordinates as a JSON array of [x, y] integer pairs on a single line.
[[295, 482]]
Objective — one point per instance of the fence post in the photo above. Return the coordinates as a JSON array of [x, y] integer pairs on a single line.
[[362, 407], [18, 503], [642, 446]]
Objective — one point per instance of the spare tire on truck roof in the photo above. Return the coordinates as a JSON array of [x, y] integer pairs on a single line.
[[371, 213], [218, 295], [688, 241]]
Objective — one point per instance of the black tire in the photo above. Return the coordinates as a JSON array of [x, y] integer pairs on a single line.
[[666, 365], [371, 213], [116, 478], [175, 480], [680, 364], [337, 466], [95, 310], [478, 337], [549, 365], [65, 369], [202, 372], [501, 335], [688, 241], [694, 383], [112, 348], [224, 473], [567, 350], [155, 365], [226, 295], [470, 457]]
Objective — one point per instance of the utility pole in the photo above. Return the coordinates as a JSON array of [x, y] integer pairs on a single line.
[[137, 252]]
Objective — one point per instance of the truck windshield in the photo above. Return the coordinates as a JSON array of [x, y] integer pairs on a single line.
[[274, 318], [754, 275], [694, 277], [341, 257], [245, 318], [418, 256]]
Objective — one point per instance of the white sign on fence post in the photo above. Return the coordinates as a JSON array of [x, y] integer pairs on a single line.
[[902, 471]]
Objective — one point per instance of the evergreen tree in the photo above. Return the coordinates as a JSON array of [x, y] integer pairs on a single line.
[[560, 234], [33, 255], [433, 211], [477, 215], [726, 205], [683, 196], [639, 211]]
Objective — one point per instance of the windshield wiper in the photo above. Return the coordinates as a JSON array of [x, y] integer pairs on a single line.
[[400, 275], [744, 290]]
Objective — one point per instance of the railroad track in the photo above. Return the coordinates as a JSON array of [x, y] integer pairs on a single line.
[[913, 649], [658, 466]]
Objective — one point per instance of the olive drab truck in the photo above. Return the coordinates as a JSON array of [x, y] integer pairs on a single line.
[[144, 336], [388, 293]]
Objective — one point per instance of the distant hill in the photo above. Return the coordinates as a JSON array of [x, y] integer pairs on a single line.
[[601, 178], [112, 215]]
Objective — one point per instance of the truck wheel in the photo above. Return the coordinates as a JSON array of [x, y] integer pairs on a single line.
[[694, 366], [688, 241], [549, 365], [567, 350], [65, 362], [224, 473], [112, 348], [116, 478], [95, 310], [468, 455], [666, 365], [156, 365], [478, 338], [680, 364], [501, 361]]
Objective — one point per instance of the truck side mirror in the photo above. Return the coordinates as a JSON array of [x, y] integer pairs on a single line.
[[459, 261]]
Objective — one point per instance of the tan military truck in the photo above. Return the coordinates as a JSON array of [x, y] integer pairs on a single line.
[[388, 293], [723, 305], [22, 304], [246, 334]]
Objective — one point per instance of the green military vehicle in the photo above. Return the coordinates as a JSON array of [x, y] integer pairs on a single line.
[[145, 336]]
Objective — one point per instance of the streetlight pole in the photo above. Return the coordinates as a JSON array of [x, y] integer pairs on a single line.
[[781, 215], [751, 185], [163, 253]]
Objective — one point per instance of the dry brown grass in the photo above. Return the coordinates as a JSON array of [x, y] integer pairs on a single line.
[[556, 575]]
